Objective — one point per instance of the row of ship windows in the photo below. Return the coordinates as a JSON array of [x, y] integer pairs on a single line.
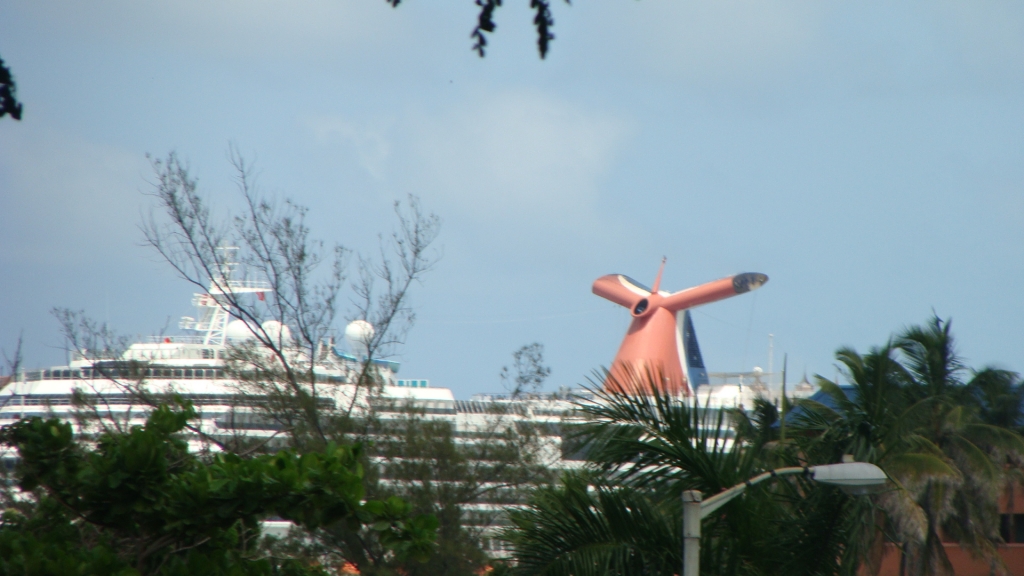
[[496, 545], [114, 373], [139, 415], [413, 383], [110, 373], [479, 518], [204, 353], [222, 420], [169, 354], [420, 410], [545, 412], [130, 400]]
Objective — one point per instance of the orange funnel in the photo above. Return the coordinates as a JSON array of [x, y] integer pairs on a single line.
[[654, 342]]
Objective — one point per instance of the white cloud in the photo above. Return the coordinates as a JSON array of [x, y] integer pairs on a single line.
[[519, 154], [372, 143]]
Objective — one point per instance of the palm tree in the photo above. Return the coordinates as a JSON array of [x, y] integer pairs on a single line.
[[867, 420], [947, 436], [864, 418], [583, 527], [946, 443], [943, 414], [622, 515], [998, 396]]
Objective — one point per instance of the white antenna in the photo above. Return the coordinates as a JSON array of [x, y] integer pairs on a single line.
[[771, 361]]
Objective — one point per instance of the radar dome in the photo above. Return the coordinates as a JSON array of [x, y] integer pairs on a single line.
[[238, 330], [358, 334], [277, 332]]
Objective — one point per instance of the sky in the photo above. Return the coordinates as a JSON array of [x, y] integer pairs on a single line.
[[866, 156]]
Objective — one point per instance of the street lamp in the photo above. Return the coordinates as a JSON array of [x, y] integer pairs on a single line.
[[852, 477]]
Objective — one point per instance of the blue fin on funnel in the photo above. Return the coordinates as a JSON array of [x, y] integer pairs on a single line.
[[695, 371]]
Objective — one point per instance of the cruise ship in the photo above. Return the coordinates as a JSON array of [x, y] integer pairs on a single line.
[[195, 366], [99, 388]]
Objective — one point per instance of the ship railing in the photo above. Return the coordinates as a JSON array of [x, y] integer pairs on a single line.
[[221, 286], [741, 378], [252, 284], [186, 339]]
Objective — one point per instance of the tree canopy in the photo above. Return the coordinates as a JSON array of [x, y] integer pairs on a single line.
[[142, 503]]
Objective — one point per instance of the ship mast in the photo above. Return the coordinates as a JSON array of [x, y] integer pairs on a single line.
[[214, 306]]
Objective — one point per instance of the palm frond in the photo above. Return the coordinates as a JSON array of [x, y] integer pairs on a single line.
[[660, 441], [919, 467], [580, 529]]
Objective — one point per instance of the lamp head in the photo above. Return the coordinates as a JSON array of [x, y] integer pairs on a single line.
[[852, 477]]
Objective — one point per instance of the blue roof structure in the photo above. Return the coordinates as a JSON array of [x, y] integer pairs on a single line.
[[823, 398]]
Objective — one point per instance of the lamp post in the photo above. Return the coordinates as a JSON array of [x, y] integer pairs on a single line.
[[852, 477]]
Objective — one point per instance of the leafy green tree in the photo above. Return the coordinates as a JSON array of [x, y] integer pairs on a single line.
[[428, 463], [274, 372], [421, 461], [141, 503]]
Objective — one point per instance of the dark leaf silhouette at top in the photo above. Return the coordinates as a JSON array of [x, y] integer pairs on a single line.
[[542, 21], [8, 102]]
